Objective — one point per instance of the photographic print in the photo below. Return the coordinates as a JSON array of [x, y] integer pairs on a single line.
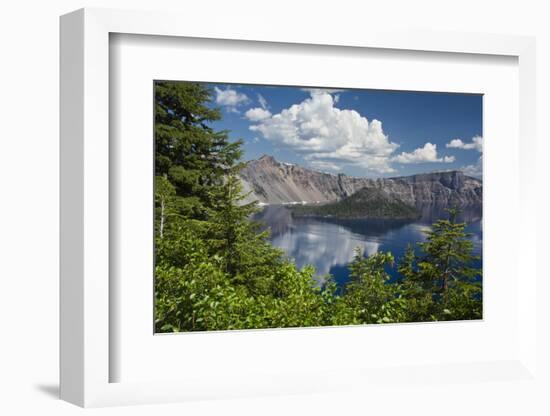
[[290, 206]]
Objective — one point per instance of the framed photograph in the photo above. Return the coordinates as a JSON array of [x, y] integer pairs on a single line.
[[313, 217], [282, 215]]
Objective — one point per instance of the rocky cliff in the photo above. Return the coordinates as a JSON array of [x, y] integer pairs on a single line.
[[274, 182]]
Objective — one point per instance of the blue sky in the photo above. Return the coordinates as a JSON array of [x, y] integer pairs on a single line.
[[357, 132]]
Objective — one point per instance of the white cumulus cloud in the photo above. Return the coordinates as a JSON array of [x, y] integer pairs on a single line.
[[476, 143], [262, 101], [257, 114], [230, 98], [321, 90], [324, 165], [324, 133], [426, 154], [475, 170]]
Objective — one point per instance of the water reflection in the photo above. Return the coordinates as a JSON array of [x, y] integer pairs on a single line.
[[329, 244], [323, 245]]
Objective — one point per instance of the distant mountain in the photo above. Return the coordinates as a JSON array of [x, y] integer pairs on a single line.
[[274, 182], [365, 203]]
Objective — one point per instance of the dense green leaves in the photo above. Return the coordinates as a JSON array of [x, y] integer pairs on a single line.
[[188, 152], [365, 203], [215, 269], [440, 283]]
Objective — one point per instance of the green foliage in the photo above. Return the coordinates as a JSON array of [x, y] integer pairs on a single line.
[[368, 298], [440, 283], [216, 270], [188, 152], [365, 203]]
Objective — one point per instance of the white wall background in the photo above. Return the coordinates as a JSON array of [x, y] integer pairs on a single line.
[[29, 182]]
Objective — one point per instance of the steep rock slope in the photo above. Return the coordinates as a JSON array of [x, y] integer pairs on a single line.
[[274, 182]]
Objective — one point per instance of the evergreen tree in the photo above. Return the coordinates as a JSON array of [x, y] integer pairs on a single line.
[[445, 269], [232, 232], [188, 151], [416, 288]]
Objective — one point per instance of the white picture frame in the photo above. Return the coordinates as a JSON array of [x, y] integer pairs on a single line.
[[85, 211]]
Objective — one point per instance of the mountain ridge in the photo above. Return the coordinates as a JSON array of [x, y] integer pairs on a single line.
[[272, 182]]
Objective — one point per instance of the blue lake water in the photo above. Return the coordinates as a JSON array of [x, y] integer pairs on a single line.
[[329, 244]]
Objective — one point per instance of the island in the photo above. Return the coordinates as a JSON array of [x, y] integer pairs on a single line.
[[372, 203]]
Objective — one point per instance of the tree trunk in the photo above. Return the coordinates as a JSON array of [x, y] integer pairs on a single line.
[[161, 230]]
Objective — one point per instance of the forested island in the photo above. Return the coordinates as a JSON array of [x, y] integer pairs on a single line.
[[216, 270], [365, 203]]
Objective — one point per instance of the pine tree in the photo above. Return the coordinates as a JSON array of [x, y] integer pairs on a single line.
[[445, 268], [229, 221], [415, 288], [188, 151]]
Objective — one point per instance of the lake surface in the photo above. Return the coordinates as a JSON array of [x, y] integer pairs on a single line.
[[328, 244]]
